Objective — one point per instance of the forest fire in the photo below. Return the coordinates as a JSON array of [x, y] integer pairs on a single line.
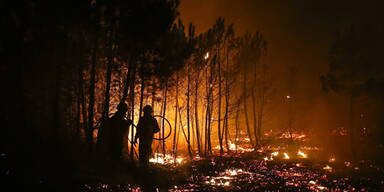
[[178, 95]]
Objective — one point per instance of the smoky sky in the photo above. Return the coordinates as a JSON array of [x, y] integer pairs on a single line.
[[299, 33]]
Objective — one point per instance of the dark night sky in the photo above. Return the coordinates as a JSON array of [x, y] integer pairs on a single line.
[[299, 32]]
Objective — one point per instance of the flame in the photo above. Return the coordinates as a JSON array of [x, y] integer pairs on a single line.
[[347, 163], [332, 159], [237, 148], [232, 146], [303, 155], [286, 156], [276, 153], [159, 158], [295, 136], [328, 168], [233, 172], [206, 56]]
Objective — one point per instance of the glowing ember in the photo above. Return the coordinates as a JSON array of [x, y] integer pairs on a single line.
[[310, 148], [238, 148], [232, 146], [347, 163], [295, 136], [303, 155], [206, 56], [328, 168], [286, 156], [231, 172]]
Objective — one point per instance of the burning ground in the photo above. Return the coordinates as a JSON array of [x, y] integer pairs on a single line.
[[271, 168], [249, 172]]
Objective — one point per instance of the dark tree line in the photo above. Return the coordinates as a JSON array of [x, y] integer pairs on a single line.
[[356, 73], [66, 65]]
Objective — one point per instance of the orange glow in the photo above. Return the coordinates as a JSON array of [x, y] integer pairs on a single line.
[[286, 156], [206, 56], [301, 154], [159, 158]]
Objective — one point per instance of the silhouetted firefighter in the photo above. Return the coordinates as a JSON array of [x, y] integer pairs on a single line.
[[119, 130], [114, 131], [146, 128]]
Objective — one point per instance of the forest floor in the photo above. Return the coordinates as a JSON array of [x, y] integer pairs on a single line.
[[244, 172], [267, 169]]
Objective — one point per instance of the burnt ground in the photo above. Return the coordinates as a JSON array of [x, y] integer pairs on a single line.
[[240, 172], [247, 171]]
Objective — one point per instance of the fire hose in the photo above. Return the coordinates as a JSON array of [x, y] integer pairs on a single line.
[[170, 128], [160, 139], [165, 137]]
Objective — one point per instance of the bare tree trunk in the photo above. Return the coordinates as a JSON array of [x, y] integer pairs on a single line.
[[254, 115], [164, 110], [141, 91], [263, 90], [196, 115], [210, 97], [219, 110], [91, 100], [108, 79], [245, 109], [176, 108], [81, 97], [226, 103], [206, 113], [127, 80], [237, 124], [188, 124], [132, 95]]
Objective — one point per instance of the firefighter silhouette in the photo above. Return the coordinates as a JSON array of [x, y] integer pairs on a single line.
[[118, 127], [146, 128]]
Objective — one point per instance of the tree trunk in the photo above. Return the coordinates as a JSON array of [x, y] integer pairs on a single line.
[[141, 91], [254, 115], [81, 97], [219, 111], [196, 115], [176, 108], [108, 75], [188, 124], [127, 80], [132, 95], [91, 100], [245, 110], [237, 124], [163, 121], [226, 103]]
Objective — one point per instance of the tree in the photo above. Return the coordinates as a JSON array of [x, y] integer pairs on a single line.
[[251, 49], [355, 68]]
